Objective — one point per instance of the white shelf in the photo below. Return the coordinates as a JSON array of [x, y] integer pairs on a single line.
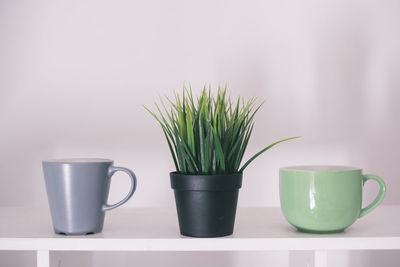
[[256, 229]]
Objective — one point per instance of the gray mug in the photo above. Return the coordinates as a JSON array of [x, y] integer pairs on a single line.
[[77, 191]]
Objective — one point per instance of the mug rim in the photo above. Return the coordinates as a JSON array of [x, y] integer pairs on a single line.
[[319, 168], [77, 160]]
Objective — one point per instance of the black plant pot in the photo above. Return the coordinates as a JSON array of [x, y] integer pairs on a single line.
[[206, 204]]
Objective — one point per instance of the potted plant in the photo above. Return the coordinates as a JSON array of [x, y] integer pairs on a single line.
[[207, 138]]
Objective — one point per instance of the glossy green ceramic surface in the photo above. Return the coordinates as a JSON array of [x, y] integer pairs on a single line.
[[324, 199]]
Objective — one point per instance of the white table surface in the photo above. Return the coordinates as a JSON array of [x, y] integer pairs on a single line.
[[157, 230]]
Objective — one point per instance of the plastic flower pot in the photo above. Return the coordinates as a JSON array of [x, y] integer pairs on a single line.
[[206, 204]]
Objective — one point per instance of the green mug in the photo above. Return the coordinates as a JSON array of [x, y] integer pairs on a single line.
[[324, 199]]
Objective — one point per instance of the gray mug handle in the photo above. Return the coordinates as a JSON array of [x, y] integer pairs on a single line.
[[113, 170]]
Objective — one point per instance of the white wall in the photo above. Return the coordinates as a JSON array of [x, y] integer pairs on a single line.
[[75, 74]]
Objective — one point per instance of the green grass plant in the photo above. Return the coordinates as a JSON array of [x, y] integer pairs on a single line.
[[208, 135]]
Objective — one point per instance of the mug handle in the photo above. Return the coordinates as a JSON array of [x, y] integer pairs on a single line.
[[113, 170], [380, 196]]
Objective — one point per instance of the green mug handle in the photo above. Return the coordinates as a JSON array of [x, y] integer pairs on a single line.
[[379, 198]]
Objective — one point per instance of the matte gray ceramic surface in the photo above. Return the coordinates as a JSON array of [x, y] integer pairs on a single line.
[[77, 191]]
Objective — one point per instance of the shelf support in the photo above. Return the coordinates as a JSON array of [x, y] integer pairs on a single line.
[[43, 258], [320, 258]]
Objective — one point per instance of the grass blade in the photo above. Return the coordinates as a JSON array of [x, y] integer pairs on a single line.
[[263, 150]]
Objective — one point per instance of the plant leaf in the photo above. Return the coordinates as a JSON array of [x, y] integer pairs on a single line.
[[263, 150]]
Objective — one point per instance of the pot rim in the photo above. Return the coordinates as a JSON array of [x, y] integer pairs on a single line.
[[212, 182], [222, 174]]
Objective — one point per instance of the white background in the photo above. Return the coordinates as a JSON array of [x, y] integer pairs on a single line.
[[75, 74]]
